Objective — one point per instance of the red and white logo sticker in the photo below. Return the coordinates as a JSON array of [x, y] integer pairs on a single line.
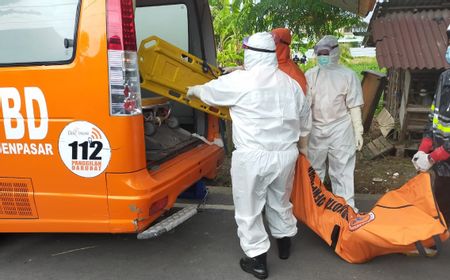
[[361, 220], [84, 149]]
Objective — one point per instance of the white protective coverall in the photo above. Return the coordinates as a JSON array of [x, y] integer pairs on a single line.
[[269, 114], [333, 90]]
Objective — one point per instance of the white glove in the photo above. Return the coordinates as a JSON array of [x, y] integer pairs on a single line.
[[358, 129], [193, 91], [303, 145], [228, 70], [415, 158], [421, 162]]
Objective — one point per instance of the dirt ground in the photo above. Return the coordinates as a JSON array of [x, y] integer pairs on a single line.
[[382, 174], [371, 176]]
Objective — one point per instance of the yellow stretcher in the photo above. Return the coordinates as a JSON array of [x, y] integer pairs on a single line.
[[167, 71]]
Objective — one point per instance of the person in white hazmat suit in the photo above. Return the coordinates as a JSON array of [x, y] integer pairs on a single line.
[[336, 98], [269, 114]]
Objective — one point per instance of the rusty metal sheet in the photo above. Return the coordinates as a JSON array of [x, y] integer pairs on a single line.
[[412, 39]]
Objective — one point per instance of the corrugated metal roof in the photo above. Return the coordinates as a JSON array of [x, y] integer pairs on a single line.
[[412, 40]]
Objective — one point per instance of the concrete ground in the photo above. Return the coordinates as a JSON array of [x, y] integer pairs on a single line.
[[204, 247]]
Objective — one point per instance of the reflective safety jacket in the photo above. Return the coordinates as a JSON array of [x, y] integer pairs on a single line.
[[438, 127]]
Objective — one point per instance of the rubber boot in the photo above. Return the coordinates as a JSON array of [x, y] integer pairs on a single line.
[[256, 266], [284, 247]]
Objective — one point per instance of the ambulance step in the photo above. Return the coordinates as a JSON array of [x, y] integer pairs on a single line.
[[169, 223]]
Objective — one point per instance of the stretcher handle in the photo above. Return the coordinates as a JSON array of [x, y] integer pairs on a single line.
[[437, 243]]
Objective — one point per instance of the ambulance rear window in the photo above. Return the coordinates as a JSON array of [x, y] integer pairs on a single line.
[[169, 22], [37, 32]]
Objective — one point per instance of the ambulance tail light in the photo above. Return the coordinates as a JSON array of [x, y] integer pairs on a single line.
[[124, 84]]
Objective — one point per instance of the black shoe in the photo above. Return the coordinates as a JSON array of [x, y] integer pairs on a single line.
[[256, 266], [284, 247]]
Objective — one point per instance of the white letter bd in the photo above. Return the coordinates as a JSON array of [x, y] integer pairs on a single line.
[[10, 104]]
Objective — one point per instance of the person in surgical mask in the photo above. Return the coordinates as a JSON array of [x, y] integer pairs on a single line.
[[434, 150], [336, 98], [269, 113]]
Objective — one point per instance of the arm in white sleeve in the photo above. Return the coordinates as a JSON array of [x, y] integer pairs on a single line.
[[224, 91], [305, 117], [310, 82], [354, 96]]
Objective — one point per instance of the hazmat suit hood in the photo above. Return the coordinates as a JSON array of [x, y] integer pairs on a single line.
[[330, 43], [283, 39], [259, 51]]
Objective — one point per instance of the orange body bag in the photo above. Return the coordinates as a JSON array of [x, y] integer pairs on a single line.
[[402, 220]]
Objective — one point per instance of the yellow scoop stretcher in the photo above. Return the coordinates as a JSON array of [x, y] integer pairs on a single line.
[[168, 71]]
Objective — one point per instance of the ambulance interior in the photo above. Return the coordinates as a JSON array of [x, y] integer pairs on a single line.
[[187, 25]]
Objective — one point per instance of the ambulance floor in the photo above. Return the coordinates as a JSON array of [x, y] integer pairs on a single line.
[[204, 247]]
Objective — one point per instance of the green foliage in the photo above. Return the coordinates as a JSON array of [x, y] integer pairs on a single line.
[[360, 64], [307, 19], [228, 16], [310, 63]]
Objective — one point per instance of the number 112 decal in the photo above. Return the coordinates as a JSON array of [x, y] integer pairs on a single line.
[[84, 149]]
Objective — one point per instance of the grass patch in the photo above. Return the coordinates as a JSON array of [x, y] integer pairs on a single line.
[[360, 64]]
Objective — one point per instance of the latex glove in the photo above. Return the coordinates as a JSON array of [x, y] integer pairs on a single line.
[[228, 70], [422, 161], [358, 129], [193, 91], [303, 145], [415, 158]]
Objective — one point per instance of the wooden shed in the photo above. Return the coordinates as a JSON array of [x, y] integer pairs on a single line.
[[410, 40]]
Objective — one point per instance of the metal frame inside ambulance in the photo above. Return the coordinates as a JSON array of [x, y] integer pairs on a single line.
[[39, 193]]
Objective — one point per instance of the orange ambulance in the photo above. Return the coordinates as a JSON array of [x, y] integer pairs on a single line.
[[79, 152]]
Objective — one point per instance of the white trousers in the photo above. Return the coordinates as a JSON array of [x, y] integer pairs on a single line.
[[263, 179], [335, 142]]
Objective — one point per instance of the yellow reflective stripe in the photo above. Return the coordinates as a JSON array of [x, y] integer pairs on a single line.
[[439, 126], [432, 107]]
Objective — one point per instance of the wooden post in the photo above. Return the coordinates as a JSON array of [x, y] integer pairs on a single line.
[[403, 114]]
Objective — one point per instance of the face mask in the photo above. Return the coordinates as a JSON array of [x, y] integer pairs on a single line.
[[447, 55], [323, 60]]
